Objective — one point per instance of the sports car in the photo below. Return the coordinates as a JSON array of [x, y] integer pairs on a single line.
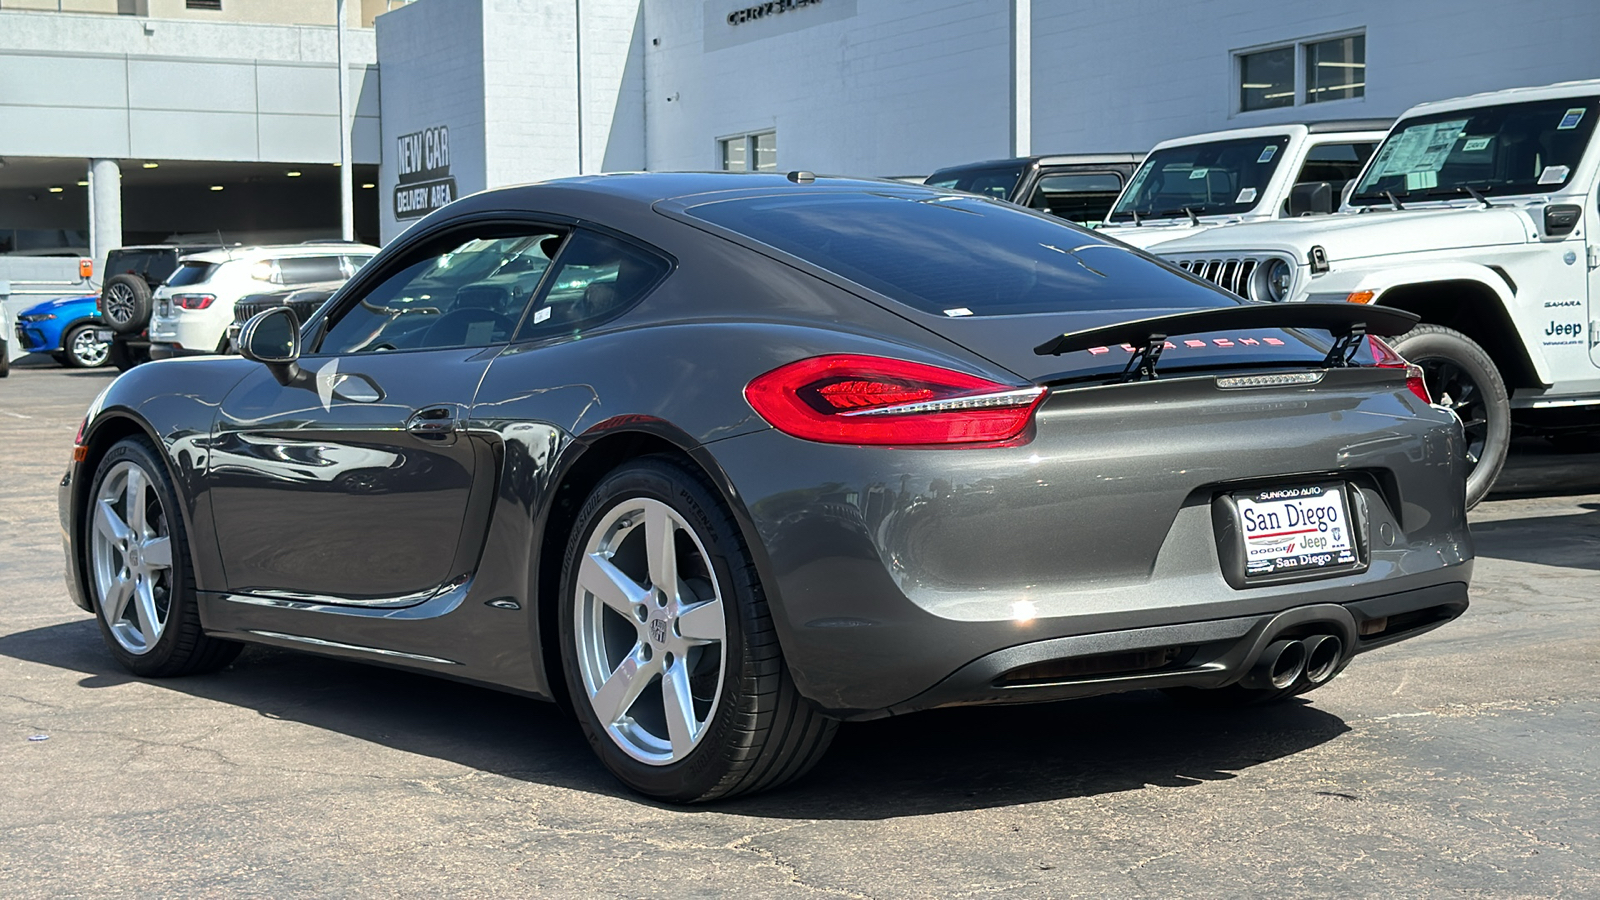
[[722, 460]]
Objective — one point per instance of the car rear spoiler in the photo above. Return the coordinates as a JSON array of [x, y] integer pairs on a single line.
[[1347, 322]]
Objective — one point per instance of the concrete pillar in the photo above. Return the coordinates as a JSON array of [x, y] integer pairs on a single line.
[[1021, 77], [105, 210]]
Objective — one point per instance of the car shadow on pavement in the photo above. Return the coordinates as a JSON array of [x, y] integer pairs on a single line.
[[932, 762], [1570, 541]]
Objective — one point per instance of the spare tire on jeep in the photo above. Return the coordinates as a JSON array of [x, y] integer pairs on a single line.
[[125, 304]]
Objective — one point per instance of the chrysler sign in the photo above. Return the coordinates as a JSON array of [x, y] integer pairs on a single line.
[[761, 11]]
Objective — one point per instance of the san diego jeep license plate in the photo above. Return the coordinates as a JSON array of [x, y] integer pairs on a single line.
[[1290, 529]]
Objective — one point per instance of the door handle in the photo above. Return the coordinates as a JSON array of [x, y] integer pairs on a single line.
[[436, 424]]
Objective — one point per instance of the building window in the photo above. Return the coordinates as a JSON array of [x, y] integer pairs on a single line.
[[1336, 69], [1309, 71], [749, 152], [1266, 79]]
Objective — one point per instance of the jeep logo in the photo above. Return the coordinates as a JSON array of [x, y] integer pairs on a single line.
[[1564, 329]]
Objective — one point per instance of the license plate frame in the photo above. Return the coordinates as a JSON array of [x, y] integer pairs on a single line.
[[104, 335], [1245, 523]]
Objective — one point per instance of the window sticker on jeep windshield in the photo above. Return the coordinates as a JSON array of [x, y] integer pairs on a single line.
[[1505, 149]]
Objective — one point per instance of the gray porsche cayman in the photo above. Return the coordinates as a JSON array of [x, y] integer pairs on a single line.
[[724, 460]]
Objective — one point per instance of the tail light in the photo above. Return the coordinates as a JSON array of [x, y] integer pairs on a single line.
[[846, 399], [1385, 357], [193, 301]]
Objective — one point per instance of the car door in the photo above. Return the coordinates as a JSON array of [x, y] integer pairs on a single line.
[[356, 481]]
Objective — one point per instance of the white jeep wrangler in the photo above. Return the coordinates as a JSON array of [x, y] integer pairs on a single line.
[[1196, 183], [1476, 214]]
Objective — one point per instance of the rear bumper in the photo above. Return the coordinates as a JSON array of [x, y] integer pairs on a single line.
[[1208, 654]]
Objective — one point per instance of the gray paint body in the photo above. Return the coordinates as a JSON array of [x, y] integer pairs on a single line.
[[898, 577]]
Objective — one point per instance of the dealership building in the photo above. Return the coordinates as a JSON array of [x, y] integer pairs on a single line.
[[140, 120]]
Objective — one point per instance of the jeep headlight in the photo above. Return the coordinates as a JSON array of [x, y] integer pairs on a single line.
[[1275, 280]]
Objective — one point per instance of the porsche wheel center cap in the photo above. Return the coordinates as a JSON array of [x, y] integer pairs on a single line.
[[659, 629]]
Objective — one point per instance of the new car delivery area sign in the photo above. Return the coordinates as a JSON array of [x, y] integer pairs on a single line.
[[425, 180]]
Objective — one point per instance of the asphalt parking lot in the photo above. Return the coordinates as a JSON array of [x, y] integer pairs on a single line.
[[1458, 764]]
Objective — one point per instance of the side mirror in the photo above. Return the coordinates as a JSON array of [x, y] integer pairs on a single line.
[[272, 338], [1309, 198]]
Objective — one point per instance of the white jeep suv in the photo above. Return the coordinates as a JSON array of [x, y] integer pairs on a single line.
[[1481, 215], [194, 306]]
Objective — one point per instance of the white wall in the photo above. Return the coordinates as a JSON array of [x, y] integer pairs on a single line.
[[852, 86], [1123, 76], [433, 54], [100, 86]]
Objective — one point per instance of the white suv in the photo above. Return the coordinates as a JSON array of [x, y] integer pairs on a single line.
[[194, 306]]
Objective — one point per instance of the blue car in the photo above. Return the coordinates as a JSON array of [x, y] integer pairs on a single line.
[[66, 329]]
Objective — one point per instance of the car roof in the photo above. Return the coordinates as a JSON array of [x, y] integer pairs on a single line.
[[1378, 127], [1585, 88], [279, 251], [1053, 159]]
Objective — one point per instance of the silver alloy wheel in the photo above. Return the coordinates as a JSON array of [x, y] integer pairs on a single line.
[[650, 631], [118, 304], [130, 553], [89, 352]]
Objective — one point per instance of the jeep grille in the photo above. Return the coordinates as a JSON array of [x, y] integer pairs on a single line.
[[1232, 273]]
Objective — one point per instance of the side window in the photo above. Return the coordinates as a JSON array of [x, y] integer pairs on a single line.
[[306, 269], [595, 278], [465, 294], [1335, 163], [1081, 197]]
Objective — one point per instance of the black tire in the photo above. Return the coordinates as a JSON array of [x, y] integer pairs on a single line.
[[1461, 375], [182, 648], [761, 733], [75, 355], [125, 304], [124, 356]]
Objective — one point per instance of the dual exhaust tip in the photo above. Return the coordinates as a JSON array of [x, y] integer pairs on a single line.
[[1311, 661]]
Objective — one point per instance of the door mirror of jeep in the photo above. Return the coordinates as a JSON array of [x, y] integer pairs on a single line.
[[1309, 198]]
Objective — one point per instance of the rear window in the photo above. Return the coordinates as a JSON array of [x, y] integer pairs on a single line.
[[993, 182], [306, 269], [154, 264], [959, 256], [191, 272]]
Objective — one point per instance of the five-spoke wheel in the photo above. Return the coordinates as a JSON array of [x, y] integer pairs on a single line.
[[650, 635], [131, 554], [669, 650], [138, 567]]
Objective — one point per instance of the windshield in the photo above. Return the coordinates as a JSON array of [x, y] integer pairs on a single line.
[[959, 256], [1514, 148], [1215, 178], [997, 182]]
